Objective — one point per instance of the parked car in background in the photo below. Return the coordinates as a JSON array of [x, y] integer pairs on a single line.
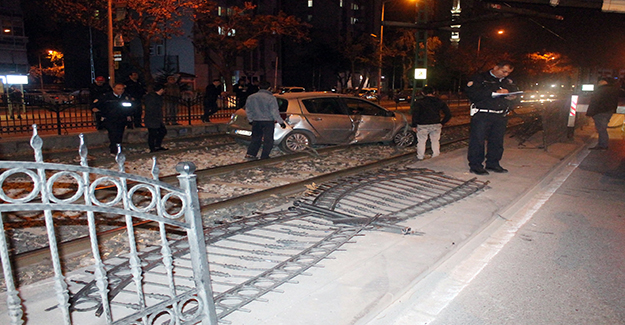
[[535, 96], [403, 96], [80, 96], [285, 90], [368, 93], [50, 96], [329, 118]]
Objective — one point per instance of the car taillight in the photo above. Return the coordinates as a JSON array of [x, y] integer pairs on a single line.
[[283, 116]]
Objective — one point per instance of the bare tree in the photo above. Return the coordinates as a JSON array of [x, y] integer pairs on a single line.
[[237, 31], [148, 21]]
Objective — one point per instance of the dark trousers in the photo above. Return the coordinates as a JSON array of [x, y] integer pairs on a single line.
[[136, 117], [601, 125], [490, 128], [262, 133], [209, 110], [116, 133], [155, 137]]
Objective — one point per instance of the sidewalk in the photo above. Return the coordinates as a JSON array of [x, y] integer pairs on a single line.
[[376, 279]]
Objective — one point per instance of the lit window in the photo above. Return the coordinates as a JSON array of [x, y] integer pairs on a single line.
[[341, 3], [309, 18], [354, 20], [231, 32], [355, 6], [310, 3], [224, 11]]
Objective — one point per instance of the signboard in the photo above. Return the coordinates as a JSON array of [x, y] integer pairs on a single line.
[[588, 87], [16, 80], [420, 73]]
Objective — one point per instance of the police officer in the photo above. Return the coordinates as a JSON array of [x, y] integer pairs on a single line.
[[116, 108], [490, 103], [97, 90], [136, 90]]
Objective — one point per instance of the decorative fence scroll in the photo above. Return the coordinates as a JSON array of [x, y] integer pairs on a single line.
[[175, 292]]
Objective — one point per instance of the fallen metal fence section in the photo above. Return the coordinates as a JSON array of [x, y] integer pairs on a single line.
[[391, 195], [180, 294]]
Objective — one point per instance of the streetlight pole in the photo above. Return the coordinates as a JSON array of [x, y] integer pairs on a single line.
[[421, 55], [40, 72], [111, 63], [479, 41], [380, 62]]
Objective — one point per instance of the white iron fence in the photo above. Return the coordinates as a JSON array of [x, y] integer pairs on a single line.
[[177, 292]]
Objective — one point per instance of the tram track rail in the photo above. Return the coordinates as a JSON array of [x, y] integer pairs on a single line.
[[76, 246]]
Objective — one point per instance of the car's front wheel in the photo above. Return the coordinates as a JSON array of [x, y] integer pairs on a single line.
[[404, 138], [295, 141]]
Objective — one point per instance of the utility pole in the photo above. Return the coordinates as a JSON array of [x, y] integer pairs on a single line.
[[111, 63]]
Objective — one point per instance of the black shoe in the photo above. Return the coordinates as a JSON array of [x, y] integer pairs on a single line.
[[598, 148], [478, 171], [162, 149], [250, 157], [497, 169], [139, 126]]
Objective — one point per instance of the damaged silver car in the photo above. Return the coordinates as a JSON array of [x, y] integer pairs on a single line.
[[328, 118]]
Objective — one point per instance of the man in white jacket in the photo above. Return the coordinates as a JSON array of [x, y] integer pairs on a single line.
[[262, 112]]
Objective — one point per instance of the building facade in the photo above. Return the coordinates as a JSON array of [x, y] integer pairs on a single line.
[[13, 58]]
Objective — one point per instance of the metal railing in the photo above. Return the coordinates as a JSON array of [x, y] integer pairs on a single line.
[[186, 280], [64, 116]]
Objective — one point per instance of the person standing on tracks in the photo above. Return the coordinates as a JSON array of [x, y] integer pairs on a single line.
[[490, 105], [154, 118], [116, 109], [136, 90], [603, 104], [97, 90], [262, 112], [426, 121]]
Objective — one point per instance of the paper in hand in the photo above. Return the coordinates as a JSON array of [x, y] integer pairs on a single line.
[[507, 94]]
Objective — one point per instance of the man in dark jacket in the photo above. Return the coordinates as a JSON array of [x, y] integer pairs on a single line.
[[241, 92], [490, 104], [602, 105], [136, 90], [116, 109], [154, 118], [426, 121], [97, 90], [210, 99]]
